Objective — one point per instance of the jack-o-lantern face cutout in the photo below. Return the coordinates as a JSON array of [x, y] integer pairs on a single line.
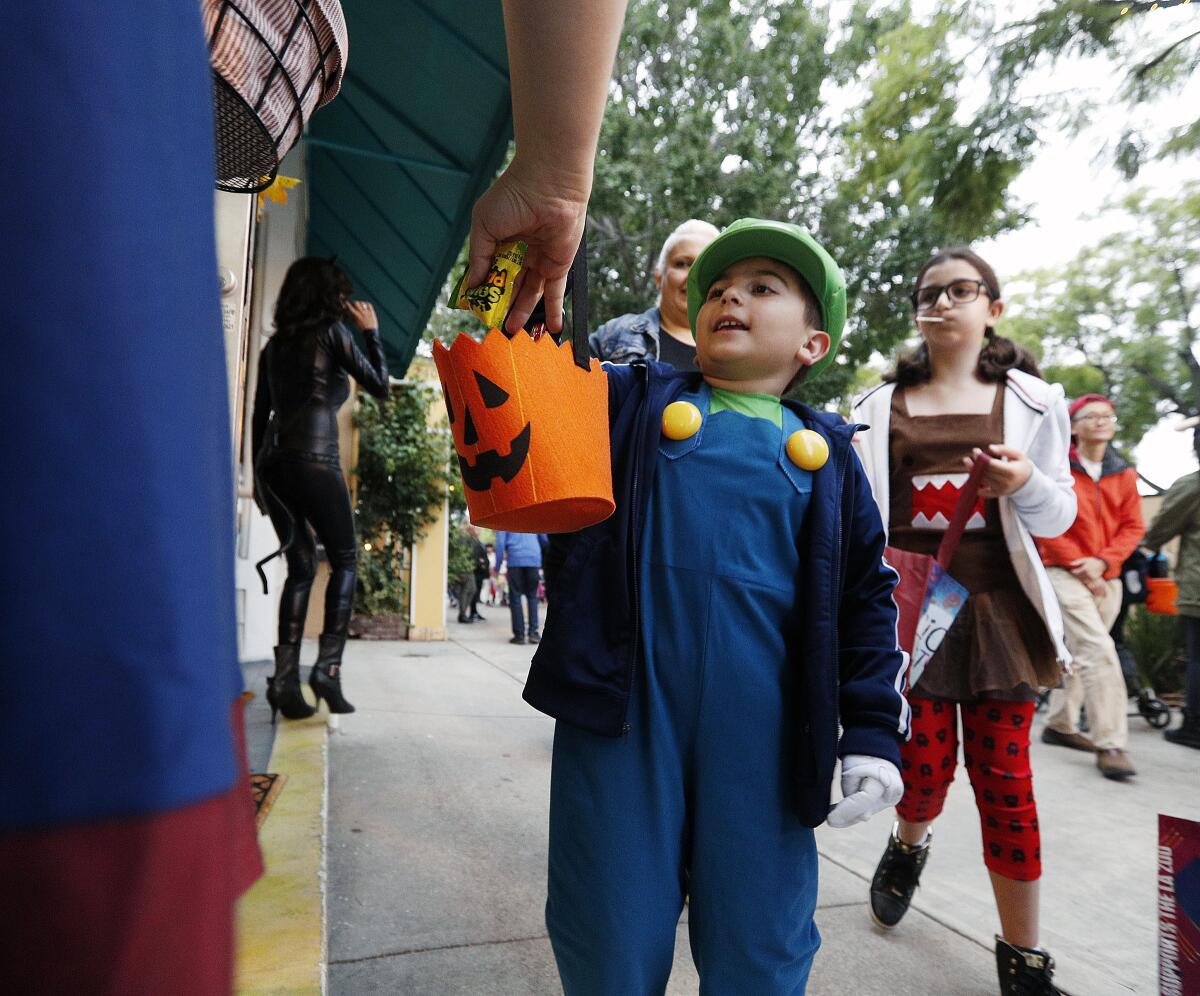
[[530, 431], [489, 464]]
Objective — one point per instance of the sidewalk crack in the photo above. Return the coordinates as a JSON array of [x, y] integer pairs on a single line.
[[489, 663], [438, 947]]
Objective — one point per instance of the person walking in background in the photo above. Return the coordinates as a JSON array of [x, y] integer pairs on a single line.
[[302, 382], [483, 571], [467, 585], [1179, 515], [523, 551], [965, 391], [1084, 566], [664, 332]]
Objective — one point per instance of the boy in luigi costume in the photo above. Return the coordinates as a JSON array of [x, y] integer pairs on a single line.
[[704, 644]]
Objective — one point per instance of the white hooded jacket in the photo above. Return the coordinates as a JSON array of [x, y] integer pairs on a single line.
[[1037, 424]]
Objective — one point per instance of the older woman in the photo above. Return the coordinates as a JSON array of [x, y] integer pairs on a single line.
[[662, 333]]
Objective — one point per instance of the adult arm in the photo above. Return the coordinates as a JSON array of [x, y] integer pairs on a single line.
[[369, 370], [1177, 512], [501, 540], [1130, 526], [1046, 501], [874, 714], [560, 58]]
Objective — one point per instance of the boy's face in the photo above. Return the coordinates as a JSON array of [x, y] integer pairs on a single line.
[[752, 330]]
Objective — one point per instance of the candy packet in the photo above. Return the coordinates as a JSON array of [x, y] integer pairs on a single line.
[[491, 300]]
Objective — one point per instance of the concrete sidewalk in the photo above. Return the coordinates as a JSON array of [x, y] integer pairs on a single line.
[[437, 849]]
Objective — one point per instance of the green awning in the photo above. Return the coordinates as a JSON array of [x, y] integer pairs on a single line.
[[398, 159]]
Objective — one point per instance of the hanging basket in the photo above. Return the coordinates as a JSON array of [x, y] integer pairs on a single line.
[[274, 63]]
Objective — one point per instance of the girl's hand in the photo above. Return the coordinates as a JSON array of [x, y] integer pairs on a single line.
[[1008, 471], [363, 313]]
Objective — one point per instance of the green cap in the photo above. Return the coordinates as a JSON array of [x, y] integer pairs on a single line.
[[787, 243]]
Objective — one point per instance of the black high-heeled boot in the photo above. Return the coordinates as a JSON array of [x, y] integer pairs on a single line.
[[1024, 971], [326, 677], [283, 687]]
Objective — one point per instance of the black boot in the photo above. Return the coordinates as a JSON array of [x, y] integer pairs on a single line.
[[283, 687], [1024, 971], [326, 677], [1187, 735], [896, 878]]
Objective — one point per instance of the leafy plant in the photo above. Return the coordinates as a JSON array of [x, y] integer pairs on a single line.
[[403, 474], [1155, 643], [462, 561]]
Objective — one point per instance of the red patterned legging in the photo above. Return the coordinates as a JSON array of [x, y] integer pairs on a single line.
[[996, 754]]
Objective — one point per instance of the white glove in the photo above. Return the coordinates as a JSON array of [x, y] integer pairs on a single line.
[[869, 786]]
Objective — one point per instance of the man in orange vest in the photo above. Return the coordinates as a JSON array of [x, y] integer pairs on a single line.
[[1084, 565]]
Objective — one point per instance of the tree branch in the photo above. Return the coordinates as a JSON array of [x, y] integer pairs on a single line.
[[1145, 67], [1161, 386]]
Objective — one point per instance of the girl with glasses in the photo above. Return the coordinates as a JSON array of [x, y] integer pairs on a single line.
[[963, 391]]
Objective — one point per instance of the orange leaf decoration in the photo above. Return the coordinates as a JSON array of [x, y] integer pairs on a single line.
[[531, 432]]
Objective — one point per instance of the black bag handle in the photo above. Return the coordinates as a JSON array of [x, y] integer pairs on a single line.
[[579, 306]]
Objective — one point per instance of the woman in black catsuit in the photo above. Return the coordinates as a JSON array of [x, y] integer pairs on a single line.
[[302, 382]]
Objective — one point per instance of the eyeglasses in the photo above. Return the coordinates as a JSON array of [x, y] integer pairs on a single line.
[[1110, 418], [957, 292]]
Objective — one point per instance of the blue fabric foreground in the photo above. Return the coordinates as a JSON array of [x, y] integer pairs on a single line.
[[697, 797], [116, 571]]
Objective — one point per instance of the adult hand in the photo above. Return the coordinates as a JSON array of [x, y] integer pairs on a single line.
[[869, 786], [545, 211], [560, 58], [1089, 570], [1007, 472], [363, 313]]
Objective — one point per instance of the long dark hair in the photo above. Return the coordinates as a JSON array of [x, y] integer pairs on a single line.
[[313, 294], [998, 355]]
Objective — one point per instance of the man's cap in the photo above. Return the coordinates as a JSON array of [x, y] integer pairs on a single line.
[[1088, 399], [789, 244]]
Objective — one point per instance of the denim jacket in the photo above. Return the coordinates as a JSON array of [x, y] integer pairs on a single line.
[[628, 338]]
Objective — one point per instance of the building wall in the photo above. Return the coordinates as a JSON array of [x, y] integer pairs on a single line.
[[261, 251]]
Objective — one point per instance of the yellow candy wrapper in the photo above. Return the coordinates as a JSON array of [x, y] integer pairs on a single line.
[[490, 301]]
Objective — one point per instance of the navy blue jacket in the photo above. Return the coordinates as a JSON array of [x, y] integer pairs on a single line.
[[853, 670]]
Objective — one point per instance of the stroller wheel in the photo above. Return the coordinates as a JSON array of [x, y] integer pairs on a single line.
[[1154, 711]]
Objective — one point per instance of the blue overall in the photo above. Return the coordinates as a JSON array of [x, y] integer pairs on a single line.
[[697, 797]]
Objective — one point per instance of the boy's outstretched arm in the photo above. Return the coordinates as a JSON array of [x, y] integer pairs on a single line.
[[873, 711]]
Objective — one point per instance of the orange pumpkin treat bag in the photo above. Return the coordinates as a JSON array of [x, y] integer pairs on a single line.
[[530, 426]]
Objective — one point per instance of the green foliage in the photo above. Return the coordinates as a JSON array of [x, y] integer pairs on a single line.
[[403, 472], [380, 587], [887, 134], [1121, 318], [1162, 71], [854, 119], [1156, 644], [462, 562]]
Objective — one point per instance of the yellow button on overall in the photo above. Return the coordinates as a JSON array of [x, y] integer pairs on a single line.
[[807, 449], [681, 420]]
